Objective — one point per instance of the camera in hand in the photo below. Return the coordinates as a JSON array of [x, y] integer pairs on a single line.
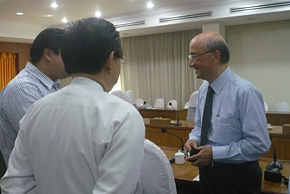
[[273, 175], [193, 151]]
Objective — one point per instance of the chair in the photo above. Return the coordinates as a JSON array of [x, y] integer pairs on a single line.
[[139, 102], [156, 172], [266, 106], [131, 97], [159, 103], [192, 106], [186, 105], [173, 103], [193, 99], [282, 107], [121, 94]]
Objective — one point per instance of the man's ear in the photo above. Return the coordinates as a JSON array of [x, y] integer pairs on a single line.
[[217, 56], [110, 62], [47, 54]]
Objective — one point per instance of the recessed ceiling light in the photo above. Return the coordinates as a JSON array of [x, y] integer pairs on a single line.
[[98, 14], [64, 20], [47, 16], [19, 13], [54, 5], [150, 5]]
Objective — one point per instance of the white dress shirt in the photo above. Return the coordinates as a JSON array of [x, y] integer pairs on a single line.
[[77, 140]]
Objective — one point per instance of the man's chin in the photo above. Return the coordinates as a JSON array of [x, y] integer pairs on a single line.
[[197, 74]]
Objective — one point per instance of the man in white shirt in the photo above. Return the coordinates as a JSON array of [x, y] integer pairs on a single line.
[[81, 139]]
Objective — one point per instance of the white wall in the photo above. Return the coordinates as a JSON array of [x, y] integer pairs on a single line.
[[260, 53]]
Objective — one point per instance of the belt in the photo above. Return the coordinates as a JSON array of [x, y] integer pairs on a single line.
[[232, 165]]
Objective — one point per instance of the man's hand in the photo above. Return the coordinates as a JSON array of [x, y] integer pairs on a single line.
[[203, 158]]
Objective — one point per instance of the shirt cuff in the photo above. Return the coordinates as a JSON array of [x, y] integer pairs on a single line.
[[219, 153]]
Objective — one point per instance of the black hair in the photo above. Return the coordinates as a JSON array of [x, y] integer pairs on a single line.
[[48, 38], [87, 44], [221, 46]]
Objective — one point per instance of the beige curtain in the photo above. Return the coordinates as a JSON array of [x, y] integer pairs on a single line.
[[157, 67]]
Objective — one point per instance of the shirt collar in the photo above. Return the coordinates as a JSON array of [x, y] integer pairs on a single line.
[[218, 84], [44, 79], [87, 82]]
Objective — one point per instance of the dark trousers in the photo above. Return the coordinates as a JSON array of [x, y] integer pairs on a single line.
[[220, 178]]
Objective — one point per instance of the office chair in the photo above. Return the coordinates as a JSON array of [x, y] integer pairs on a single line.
[[131, 98], [121, 94], [159, 103], [186, 105], [192, 106], [266, 106], [139, 102], [282, 107], [173, 103], [156, 172]]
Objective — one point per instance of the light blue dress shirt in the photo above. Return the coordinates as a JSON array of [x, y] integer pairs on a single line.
[[239, 130], [16, 98]]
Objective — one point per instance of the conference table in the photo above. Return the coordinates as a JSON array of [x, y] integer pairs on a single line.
[[280, 140], [154, 133], [185, 173], [165, 113], [278, 118]]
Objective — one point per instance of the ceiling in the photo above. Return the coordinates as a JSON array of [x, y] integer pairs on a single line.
[[132, 17]]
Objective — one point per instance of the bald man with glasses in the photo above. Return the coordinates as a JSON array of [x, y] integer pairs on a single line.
[[230, 124]]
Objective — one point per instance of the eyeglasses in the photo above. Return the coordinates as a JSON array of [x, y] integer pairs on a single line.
[[193, 56], [122, 59]]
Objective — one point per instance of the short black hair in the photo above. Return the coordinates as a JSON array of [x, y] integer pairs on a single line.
[[48, 38], [222, 47], [87, 44]]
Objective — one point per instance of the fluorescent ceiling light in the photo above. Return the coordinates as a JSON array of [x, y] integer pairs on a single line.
[[54, 5], [98, 14], [19, 13], [64, 20], [48, 16], [150, 5]]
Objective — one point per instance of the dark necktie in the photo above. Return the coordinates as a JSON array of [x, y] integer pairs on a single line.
[[207, 112]]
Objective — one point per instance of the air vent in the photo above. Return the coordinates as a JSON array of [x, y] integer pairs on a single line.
[[184, 17], [128, 24], [259, 7]]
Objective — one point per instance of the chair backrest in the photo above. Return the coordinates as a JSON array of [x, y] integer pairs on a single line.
[[131, 97], [191, 114], [193, 99], [266, 106], [121, 94], [282, 107], [173, 103], [159, 103], [156, 172], [186, 105], [139, 102]]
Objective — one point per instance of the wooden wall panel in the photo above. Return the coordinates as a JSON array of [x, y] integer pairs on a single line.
[[8, 47], [24, 55]]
